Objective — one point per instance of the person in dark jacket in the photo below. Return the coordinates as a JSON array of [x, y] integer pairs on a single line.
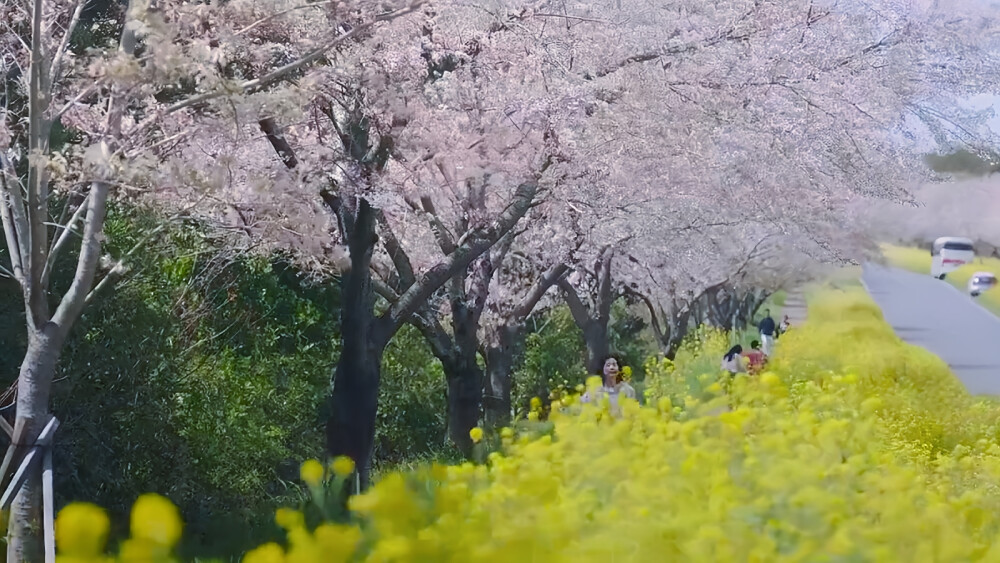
[[767, 332]]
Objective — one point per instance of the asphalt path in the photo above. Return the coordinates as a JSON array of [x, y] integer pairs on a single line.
[[946, 321]]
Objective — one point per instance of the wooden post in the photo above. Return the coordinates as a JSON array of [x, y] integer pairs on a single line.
[[48, 507], [7, 428], [33, 455], [40, 450]]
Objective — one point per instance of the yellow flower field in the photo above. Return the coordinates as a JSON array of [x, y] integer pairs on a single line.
[[853, 447]]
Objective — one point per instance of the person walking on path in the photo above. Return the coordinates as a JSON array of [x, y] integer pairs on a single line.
[[767, 330], [784, 326]]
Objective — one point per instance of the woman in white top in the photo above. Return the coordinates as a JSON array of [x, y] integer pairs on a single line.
[[733, 360], [612, 388]]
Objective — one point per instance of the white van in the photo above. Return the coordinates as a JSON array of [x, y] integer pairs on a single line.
[[949, 254]]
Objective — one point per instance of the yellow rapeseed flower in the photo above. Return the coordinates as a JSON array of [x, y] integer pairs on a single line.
[[156, 519], [337, 542], [312, 472], [289, 519], [476, 434], [81, 530], [143, 550], [536, 403], [267, 553], [664, 404], [342, 466], [769, 378]]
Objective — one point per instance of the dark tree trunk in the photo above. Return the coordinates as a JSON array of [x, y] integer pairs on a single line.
[[465, 396], [678, 330], [594, 325], [505, 344], [595, 335], [497, 404], [350, 429], [462, 371]]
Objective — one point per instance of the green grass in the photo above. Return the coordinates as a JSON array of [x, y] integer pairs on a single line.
[[776, 301]]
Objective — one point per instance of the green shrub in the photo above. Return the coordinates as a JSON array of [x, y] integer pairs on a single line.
[[411, 424]]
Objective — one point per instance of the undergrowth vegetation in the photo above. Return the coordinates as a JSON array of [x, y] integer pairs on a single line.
[[852, 446]]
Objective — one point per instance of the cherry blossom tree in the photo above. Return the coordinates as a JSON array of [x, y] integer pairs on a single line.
[[742, 112], [776, 115], [426, 138]]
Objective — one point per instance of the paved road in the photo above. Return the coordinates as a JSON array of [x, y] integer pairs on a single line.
[[934, 314]]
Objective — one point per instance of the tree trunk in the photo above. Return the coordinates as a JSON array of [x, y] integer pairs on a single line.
[[465, 396], [350, 429], [673, 342], [500, 356], [497, 404], [24, 534], [595, 335], [505, 345]]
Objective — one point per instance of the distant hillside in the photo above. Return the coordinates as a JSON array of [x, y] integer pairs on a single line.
[[964, 162]]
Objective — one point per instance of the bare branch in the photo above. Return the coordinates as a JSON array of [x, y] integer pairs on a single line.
[[277, 139], [467, 251], [551, 277], [64, 43], [396, 253], [576, 307], [433, 332], [62, 240], [441, 233], [604, 291], [653, 316], [11, 230], [384, 290], [270, 17], [75, 298]]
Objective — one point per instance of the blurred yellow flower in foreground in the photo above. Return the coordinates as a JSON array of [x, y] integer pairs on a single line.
[[476, 434], [342, 466], [156, 519], [81, 530], [312, 472]]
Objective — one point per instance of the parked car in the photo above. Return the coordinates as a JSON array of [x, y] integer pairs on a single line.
[[980, 282]]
